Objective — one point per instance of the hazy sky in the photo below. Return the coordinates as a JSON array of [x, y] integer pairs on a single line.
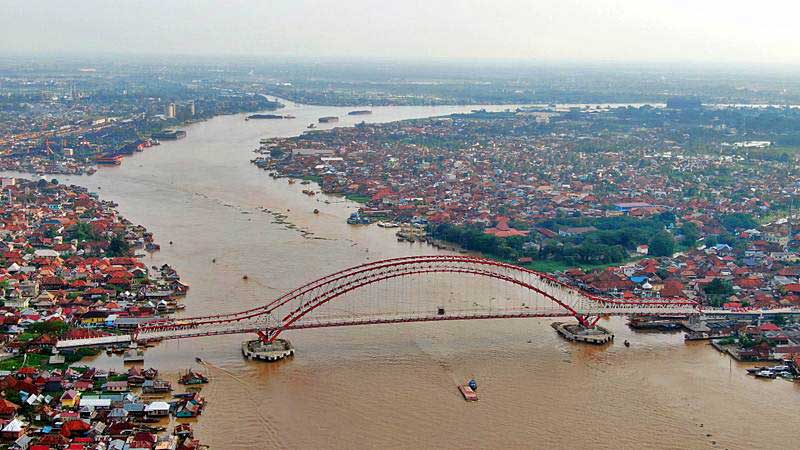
[[554, 30]]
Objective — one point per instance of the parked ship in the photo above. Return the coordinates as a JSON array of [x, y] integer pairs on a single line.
[[360, 112], [358, 219], [109, 160], [328, 119]]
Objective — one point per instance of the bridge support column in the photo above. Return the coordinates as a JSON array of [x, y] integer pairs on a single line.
[[588, 321], [269, 335]]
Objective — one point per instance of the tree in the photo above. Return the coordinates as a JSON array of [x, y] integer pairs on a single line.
[[118, 247], [738, 221], [718, 291], [690, 234], [662, 244], [56, 327], [84, 232]]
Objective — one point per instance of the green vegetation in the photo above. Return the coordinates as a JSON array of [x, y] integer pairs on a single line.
[[118, 246], [718, 291], [54, 327], [662, 244], [358, 198], [738, 221], [84, 232], [584, 242], [727, 341]]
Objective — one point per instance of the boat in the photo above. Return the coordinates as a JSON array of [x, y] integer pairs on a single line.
[[316, 211], [183, 430], [192, 378], [184, 395], [311, 125], [627, 344], [358, 219], [468, 393], [360, 112], [328, 119], [265, 116], [383, 224], [309, 192], [109, 160], [199, 359], [766, 374]]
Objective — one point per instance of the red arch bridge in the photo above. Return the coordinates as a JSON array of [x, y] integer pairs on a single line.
[[413, 289]]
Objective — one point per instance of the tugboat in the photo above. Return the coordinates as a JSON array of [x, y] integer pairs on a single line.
[[467, 392]]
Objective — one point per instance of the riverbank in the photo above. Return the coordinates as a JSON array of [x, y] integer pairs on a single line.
[[69, 272]]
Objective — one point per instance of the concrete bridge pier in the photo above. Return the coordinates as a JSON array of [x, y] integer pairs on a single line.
[[272, 351]]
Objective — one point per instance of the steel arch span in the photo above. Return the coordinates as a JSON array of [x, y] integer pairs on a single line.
[[303, 307]]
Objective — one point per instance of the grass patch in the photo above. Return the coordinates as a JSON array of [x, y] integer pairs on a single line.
[[550, 266], [358, 198], [27, 336]]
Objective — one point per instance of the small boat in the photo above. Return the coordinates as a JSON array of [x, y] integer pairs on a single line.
[[183, 430], [766, 374], [468, 393], [199, 360], [627, 344], [184, 395], [311, 125], [244, 277], [316, 211]]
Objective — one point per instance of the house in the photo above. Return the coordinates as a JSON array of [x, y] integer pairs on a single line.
[[94, 318], [8, 409], [116, 386], [70, 399], [157, 409], [23, 443], [13, 430]]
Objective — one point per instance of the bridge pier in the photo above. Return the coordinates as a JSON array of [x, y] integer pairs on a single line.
[[580, 333], [273, 351]]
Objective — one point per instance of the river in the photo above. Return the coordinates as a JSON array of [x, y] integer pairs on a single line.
[[394, 386]]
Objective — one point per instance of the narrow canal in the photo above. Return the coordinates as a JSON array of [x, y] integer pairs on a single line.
[[394, 386]]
